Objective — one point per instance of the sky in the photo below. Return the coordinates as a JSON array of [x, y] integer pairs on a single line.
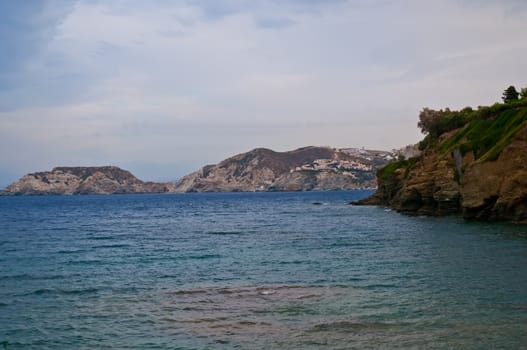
[[162, 88]]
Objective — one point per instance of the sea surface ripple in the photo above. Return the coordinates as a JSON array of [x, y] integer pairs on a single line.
[[254, 271]]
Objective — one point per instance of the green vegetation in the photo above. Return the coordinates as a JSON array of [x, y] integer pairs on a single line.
[[390, 168], [485, 131], [510, 94], [490, 130], [436, 123]]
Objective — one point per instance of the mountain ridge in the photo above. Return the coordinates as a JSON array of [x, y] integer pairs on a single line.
[[303, 169], [260, 169]]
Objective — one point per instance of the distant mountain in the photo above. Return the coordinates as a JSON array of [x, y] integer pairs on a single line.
[[84, 180], [304, 169]]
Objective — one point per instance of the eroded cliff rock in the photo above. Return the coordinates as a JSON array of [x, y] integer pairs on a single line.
[[427, 187], [479, 171], [498, 189]]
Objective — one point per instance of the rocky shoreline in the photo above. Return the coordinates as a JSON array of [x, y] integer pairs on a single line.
[[451, 178]]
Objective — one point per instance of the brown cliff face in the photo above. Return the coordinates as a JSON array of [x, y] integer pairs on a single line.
[[304, 169], [498, 190], [426, 188], [443, 182], [84, 180]]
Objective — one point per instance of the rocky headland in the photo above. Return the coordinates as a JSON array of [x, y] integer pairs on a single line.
[[304, 169], [84, 180], [473, 162]]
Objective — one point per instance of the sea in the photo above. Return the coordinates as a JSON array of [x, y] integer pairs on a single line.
[[254, 271]]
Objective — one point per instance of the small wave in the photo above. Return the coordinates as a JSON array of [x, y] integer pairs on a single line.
[[25, 276], [204, 256], [295, 310], [40, 291], [190, 292], [110, 246], [221, 233], [84, 262], [346, 326], [102, 238], [511, 306], [74, 251], [44, 291], [16, 277], [79, 291], [294, 262], [205, 320], [12, 345], [380, 285], [268, 292]]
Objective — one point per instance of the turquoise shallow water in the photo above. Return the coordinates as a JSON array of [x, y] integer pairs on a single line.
[[254, 271]]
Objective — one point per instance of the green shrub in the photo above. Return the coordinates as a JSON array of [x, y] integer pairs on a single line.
[[390, 168], [489, 132]]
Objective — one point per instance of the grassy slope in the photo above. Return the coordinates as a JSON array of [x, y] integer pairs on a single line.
[[487, 132]]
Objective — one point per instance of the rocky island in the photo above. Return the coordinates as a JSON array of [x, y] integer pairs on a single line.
[[304, 169], [473, 162], [84, 180]]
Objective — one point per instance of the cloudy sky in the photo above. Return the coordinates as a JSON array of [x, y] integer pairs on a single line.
[[164, 87]]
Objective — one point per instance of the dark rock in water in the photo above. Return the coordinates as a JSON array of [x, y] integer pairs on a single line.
[[84, 180], [317, 203]]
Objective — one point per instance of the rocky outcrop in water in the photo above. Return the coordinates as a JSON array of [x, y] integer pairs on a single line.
[[84, 180], [304, 169], [479, 171]]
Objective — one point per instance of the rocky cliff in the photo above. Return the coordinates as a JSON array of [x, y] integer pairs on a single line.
[[478, 170], [84, 180], [304, 169]]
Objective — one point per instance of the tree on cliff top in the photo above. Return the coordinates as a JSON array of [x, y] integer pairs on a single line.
[[510, 94], [523, 93], [435, 123], [429, 120]]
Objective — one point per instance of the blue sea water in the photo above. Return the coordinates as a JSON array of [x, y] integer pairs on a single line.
[[254, 271]]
